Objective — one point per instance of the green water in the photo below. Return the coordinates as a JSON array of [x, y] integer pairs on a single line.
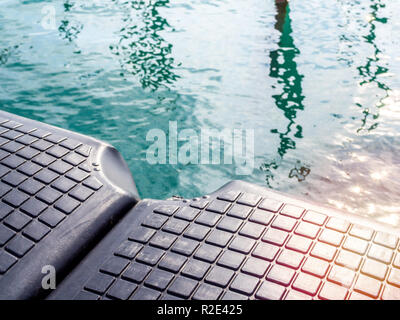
[[318, 81]]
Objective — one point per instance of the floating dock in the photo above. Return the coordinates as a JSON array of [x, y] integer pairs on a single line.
[[69, 201]]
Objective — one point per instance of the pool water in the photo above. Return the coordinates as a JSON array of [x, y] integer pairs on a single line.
[[317, 81]]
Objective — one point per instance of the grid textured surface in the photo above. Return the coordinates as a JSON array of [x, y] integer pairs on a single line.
[[238, 245], [44, 178]]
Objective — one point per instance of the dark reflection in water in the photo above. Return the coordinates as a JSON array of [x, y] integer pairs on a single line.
[[68, 5], [6, 53], [69, 29], [142, 50], [290, 98], [370, 72]]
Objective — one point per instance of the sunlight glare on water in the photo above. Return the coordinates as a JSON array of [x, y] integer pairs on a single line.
[[318, 81]]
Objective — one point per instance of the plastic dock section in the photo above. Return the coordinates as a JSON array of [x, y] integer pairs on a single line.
[[241, 242], [69, 201], [60, 192]]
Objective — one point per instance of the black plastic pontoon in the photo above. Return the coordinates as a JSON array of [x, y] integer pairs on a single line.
[[68, 201]]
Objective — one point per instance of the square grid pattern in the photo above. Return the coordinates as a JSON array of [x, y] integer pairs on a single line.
[[239, 245], [44, 178]]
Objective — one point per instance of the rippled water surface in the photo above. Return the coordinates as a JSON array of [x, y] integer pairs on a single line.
[[318, 81]]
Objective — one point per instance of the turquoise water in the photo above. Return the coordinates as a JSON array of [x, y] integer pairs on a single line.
[[318, 81]]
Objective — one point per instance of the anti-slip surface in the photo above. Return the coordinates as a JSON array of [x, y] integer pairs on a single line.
[[60, 193], [241, 242]]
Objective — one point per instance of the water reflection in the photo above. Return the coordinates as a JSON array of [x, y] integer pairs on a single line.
[[290, 98], [6, 53], [69, 29], [142, 50], [370, 72]]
